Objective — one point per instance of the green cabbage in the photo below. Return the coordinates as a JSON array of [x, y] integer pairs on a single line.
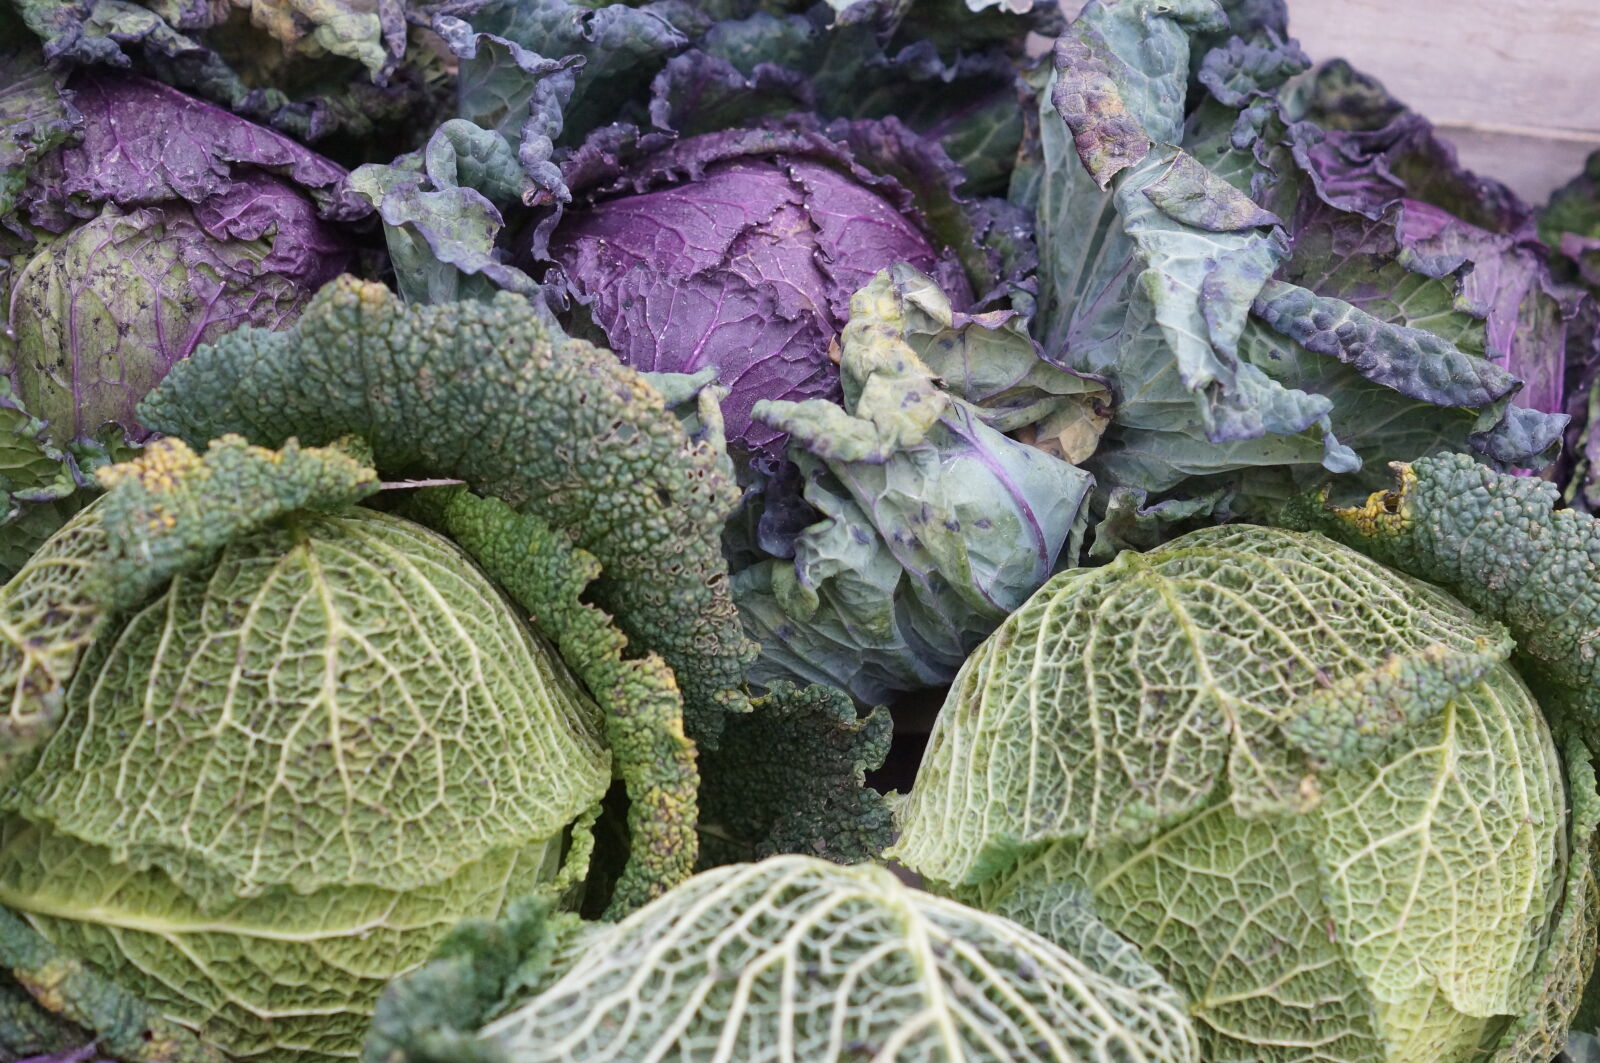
[[1309, 788], [789, 959], [282, 774]]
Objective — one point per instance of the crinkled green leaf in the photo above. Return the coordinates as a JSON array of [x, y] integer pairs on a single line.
[[1569, 948], [796, 958], [286, 975], [790, 778], [432, 1014], [48, 619], [1169, 652], [990, 361], [551, 426], [547, 575], [1307, 787], [436, 678]]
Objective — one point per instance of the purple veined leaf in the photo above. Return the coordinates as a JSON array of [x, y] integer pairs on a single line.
[[165, 224]]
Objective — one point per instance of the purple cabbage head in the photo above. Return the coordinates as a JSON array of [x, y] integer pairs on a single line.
[[165, 223], [740, 250]]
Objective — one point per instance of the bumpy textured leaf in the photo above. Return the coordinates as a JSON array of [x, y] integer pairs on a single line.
[[796, 958], [934, 524], [547, 575], [1307, 787], [432, 1014], [551, 426], [171, 510], [1496, 542], [788, 778]]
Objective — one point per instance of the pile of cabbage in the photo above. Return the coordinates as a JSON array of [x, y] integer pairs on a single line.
[[480, 481]]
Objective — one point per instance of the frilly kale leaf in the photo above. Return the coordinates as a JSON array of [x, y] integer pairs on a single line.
[[489, 394]]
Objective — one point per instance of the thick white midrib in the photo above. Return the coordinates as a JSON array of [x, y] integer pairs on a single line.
[[120, 919]]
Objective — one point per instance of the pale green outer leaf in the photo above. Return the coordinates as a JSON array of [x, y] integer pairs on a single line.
[[1117, 699], [343, 700], [1569, 957], [281, 976], [1309, 788], [1402, 920], [802, 961]]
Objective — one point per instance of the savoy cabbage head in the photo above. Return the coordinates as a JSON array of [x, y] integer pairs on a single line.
[[365, 698], [1313, 790], [265, 744], [788, 959]]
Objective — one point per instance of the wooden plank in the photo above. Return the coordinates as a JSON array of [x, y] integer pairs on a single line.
[[1515, 82]]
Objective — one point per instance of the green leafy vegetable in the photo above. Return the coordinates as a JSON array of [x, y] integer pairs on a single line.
[[1309, 788], [796, 958], [551, 426], [352, 683]]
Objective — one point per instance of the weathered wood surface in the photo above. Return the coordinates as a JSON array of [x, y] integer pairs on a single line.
[[1514, 83]]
